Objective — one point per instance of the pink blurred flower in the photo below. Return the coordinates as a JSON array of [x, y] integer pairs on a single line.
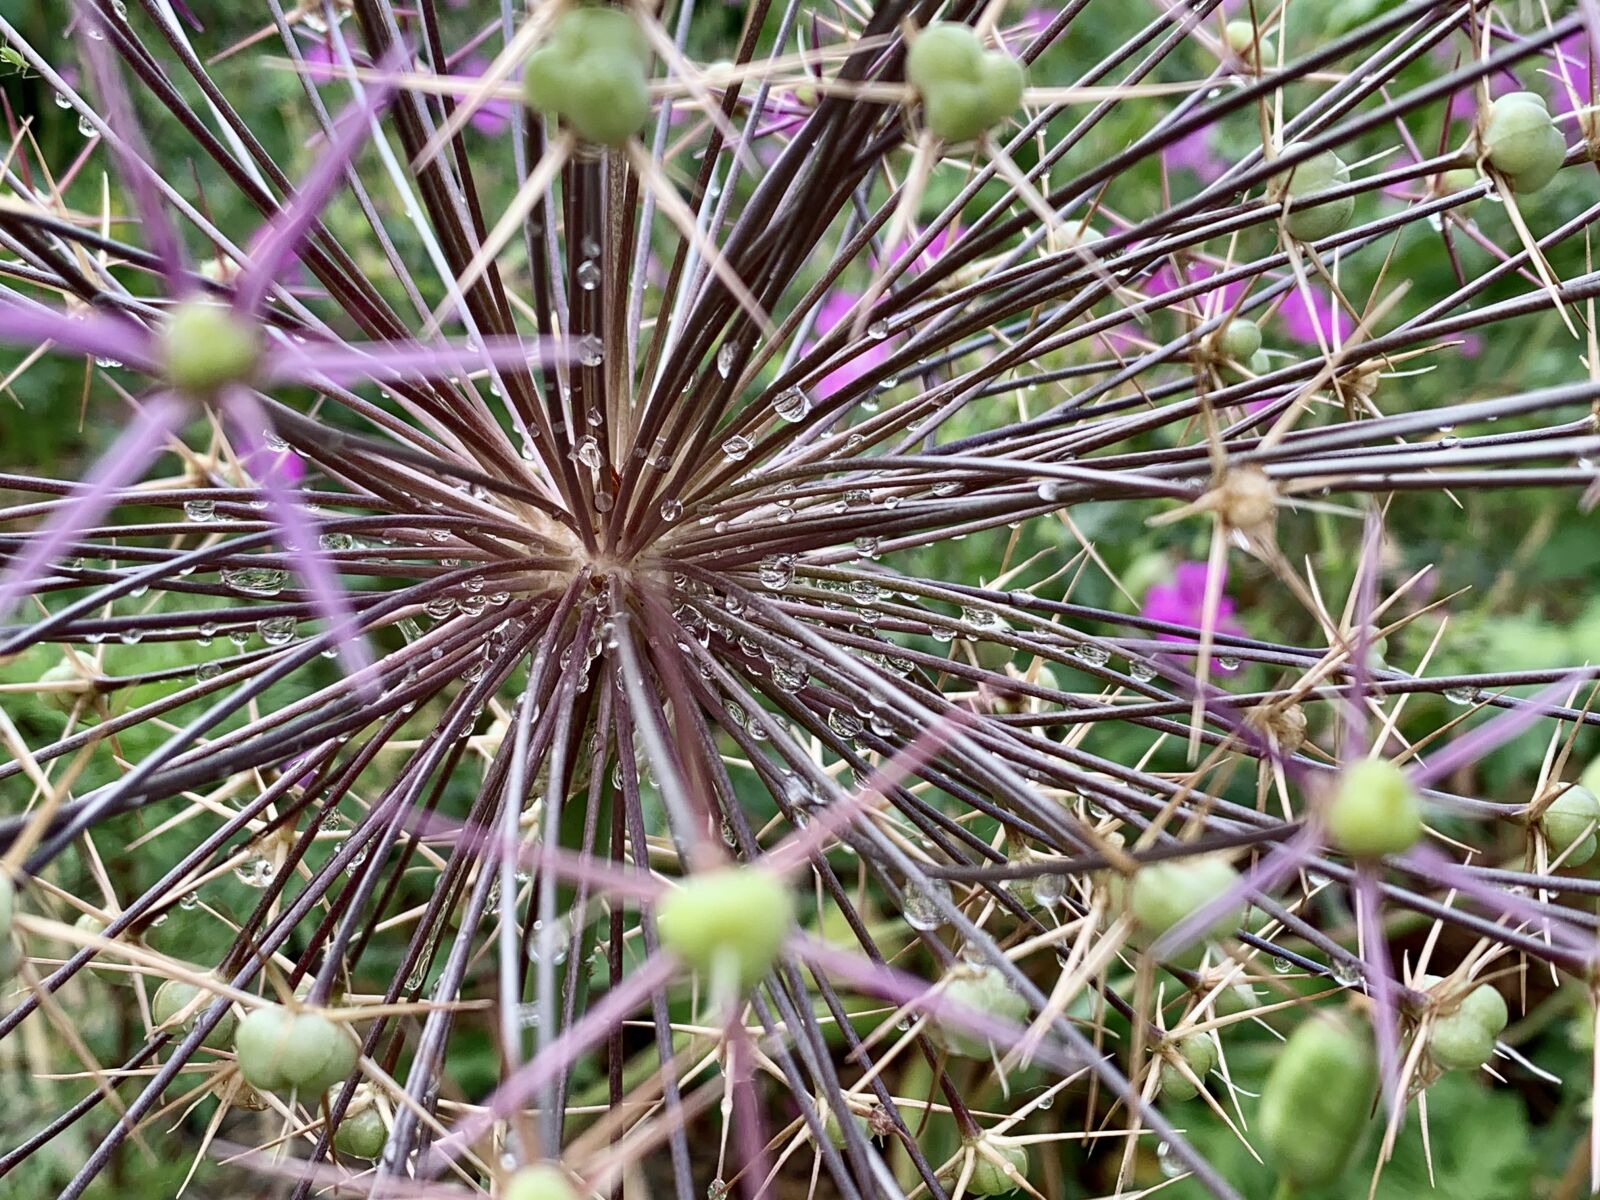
[[1302, 319], [1164, 279], [835, 308], [1194, 153], [494, 116], [1570, 66], [1182, 602], [284, 465]]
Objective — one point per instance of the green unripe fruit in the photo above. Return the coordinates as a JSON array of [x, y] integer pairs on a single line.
[[610, 101], [206, 347], [1318, 1099], [1239, 339], [944, 52], [835, 1130], [1569, 823], [65, 671], [1200, 1053], [278, 1049], [1521, 141], [1259, 363], [965, 89], [1163, 894], [89, 923], [1457, 1044], [175, 996], [1004, 80], [592, 72], [361, 1134], [1374, 811], [539, 1182], [1319, 173], [1463, 1040], [735, 919], [1241, 37], [989, 1178], [985, 991]]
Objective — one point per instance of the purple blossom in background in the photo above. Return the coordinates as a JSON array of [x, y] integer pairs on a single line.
[[1569, 74], [1315, 320], [493, 117], [1182, 602], [837, 305], [1194, 153]]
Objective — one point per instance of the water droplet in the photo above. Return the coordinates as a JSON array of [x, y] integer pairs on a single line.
[[920, 907], [260, 581], [1281, 964], [440, 607], [1459, 695], [792, 404], [590, 353], [207, 671], [1142, 671], [671, 509], [1095, 656], [190, 900], [276, 631], [736, 447], [1168, 1162], [588, 274], [845, 724], [867, 546], [726, 353], [255, 871], [589, 453], [776, 573], [85, 125], [1228, 662], [878, 330]]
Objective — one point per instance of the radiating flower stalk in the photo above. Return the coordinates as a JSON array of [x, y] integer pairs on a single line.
[[608, 582]]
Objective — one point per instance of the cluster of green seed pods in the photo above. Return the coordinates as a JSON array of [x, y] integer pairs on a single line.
[[1199, 1053], [1521, 141], [1161, 895], [965, 90], [1319, 173], [1374, 810], [729, 922], [281, 1050], [362, 1132], [1463, 1038], [985, 990], [593, 73], [991, 1157], [1317, 1101]]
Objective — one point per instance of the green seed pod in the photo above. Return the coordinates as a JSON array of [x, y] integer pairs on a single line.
[[592, 72], [62, 699], [1521, 141], [1242, 40], [1004, 81], [1457, 1042], [1239, 339], [1570, 823], [361, 1134], [1200, 1053], [965, 90], [944, 52], [174, 996], [258, 1045], [542, 1181], [835, 1130], [736, 918], [1164, 893], [1374, 811], [205, 347], [1485, 1005], [984, 990], [278, 1049], [610, 100], [1317, 1101], [89, 923], [989, 1178], [1319, 173]]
